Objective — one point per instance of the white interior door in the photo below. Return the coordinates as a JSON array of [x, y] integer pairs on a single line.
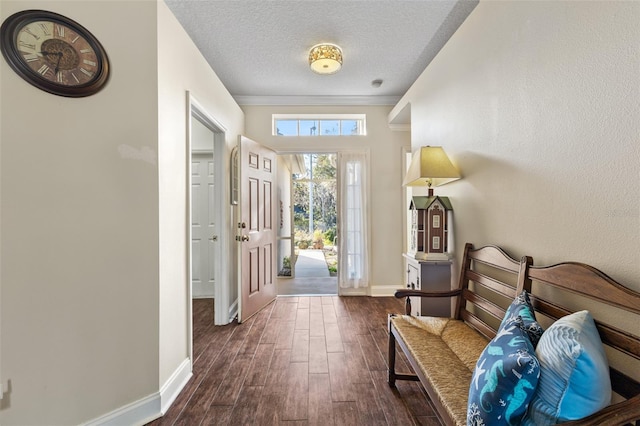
[[204, 233]]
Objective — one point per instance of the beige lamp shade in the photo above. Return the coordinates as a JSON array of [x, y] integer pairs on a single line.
[[430, 166]]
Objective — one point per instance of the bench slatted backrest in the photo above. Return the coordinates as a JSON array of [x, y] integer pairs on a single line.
[[589, 282], [489, 280]]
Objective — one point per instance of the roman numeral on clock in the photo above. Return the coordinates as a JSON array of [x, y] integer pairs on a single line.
[[43, 69], [31, 57]]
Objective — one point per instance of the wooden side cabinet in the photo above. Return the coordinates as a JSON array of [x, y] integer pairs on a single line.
[[429, 275]]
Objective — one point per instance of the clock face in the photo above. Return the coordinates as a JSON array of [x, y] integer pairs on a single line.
[[54, 53]]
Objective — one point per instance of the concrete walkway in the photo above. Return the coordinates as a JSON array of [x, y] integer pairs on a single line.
[[312, 276], [311, 263]]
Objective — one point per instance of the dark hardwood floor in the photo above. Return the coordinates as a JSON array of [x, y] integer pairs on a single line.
[[301, 360]]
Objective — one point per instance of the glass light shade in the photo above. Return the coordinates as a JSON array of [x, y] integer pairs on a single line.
[[430, 166], [325, 58]]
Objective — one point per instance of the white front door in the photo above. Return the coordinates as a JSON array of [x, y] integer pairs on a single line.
[[204, 237]]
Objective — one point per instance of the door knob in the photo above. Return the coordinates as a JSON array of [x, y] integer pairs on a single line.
[[245, 238], [214, 238]]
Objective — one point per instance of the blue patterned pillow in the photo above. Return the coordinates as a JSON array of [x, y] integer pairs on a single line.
[[505, 378], [521, 307]]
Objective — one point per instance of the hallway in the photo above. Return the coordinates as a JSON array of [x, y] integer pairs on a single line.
[[308, 360]]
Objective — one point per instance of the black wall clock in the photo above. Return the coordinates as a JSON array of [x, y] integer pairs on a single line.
[[54, 53]]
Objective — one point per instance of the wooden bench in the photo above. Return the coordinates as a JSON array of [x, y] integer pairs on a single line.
[[441, 349]]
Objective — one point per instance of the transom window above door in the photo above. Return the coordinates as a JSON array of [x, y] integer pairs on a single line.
[[319, 125]]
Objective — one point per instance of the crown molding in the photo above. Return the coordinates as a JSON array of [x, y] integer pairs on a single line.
[[400, 127], [316, 100]]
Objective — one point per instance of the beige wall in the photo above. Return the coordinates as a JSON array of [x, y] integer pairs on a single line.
[[385, 154], [182, 68], [537, 103], [93, 222], [79, 219]]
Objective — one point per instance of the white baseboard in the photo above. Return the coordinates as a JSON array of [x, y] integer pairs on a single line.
[[384, 290], [203, 296], [169, 392], [137, 413], [360, 291], [150, 407], [233, 310]]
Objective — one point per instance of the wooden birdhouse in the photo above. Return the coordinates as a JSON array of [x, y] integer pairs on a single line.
[[430, 227]]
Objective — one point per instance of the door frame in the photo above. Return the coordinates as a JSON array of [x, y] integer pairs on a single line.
[[312, 150], [195, 110]]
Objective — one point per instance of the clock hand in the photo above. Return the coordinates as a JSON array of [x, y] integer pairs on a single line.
[[60, 54]]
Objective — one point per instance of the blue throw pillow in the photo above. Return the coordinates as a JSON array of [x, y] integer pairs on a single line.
[[574, 372], [521, 307], [505, 378]]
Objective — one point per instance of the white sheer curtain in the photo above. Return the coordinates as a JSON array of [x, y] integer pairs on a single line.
[[353, 231]]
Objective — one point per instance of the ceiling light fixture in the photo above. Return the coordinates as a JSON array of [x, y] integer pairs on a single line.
[[325, 58]]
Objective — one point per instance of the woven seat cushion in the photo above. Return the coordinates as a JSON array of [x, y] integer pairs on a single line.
[[434, 325], [465, 342], [449, 375]]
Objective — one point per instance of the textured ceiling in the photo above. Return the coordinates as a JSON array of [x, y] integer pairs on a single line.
[[259, 48]]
